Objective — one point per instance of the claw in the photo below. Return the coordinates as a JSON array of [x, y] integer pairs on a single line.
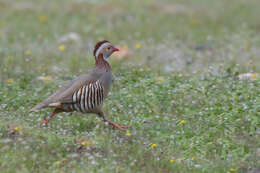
[[44, 122], [101, 114], [123, 127], [117, 125]]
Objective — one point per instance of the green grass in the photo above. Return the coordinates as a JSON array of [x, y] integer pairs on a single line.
[[197, 113]]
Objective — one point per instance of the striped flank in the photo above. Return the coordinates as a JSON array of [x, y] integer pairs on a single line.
[[88, 97]]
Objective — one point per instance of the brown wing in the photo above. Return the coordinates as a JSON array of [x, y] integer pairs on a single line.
[[64, 94]]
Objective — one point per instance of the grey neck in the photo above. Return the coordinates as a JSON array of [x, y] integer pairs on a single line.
[[102, 62], [105, 58]]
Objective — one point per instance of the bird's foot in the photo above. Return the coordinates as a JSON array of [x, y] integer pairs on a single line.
[[117, 125], [120, 127], [44, 122], [123, 127]]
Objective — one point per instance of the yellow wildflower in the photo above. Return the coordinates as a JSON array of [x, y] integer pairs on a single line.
[[62, 47], [123, 47], [194, 21], [58, 163], [232, 169], [16, 128], [192, 158], [159, 79], [83, 143], [172, 161], [9, 81], [246, 76], [128, 134], [255, 75], [43, 19], [27, 52], [153, 145], [10, 58], [182, 122], [138, 46], [46, 79], [153, 107]]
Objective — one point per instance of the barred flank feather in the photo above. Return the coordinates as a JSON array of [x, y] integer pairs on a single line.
[[88, 97]]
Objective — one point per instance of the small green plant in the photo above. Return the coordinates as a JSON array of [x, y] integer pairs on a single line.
[[176, 83]]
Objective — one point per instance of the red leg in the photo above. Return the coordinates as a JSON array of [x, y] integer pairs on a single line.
[[112, 123], [46, 120], [116, 125]]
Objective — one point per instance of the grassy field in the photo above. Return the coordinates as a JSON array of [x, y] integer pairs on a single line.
[[177, 86]]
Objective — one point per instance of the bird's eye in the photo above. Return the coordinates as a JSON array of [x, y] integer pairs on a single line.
[[108, 48]]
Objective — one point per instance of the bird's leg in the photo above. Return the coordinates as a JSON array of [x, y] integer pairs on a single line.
[[46, 120], [116, 125], [101, 114]]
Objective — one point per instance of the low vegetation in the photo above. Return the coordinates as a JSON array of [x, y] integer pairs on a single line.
[[176, 83]]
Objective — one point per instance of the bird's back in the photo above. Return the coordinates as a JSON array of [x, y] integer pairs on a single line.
[[65, 94]]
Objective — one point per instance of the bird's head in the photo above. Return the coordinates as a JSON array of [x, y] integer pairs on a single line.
[[104, 48]]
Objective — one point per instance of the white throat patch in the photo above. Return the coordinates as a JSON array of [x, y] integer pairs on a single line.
[[102, 47], [105, 58]]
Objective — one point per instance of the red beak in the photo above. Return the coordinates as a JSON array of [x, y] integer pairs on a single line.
[[115, 49]]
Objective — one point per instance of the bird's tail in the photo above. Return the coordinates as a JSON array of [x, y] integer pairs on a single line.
[[37, 107]]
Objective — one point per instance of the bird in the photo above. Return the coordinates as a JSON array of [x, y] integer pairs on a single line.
[[86, 93]]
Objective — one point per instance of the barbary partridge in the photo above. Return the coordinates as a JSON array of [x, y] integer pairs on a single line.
[[86, 93]]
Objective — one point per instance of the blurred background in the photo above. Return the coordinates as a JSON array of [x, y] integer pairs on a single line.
[[54, 37], [175, 84]]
